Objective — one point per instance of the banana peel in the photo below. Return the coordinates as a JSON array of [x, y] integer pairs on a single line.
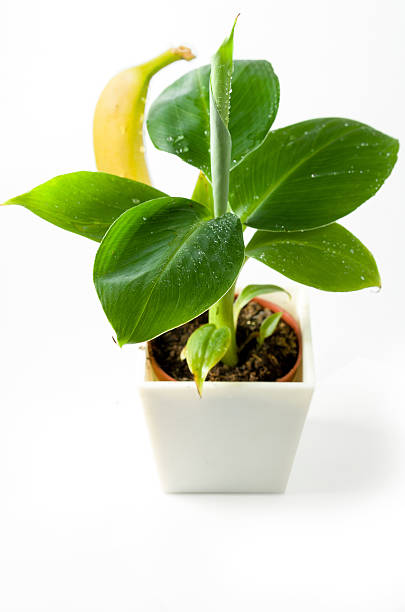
[[119, 118]]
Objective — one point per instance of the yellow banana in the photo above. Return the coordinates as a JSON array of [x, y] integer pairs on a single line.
[[119, 118]]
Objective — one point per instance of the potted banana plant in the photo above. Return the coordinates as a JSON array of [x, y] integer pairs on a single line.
[[227, 376]]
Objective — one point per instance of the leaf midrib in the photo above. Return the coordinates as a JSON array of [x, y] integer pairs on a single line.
[[278, 184], [164, 268]]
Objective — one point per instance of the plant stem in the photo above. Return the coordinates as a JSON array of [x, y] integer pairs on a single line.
[[221, 314]]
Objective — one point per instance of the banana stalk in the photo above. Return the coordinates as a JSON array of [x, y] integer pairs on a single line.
[[119, 117]]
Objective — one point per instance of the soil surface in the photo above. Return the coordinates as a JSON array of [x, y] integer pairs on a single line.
[[271, 361]]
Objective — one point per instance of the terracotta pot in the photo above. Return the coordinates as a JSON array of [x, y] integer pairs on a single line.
[[286, 317]]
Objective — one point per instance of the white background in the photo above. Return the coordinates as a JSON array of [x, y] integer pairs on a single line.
[[83, 524]]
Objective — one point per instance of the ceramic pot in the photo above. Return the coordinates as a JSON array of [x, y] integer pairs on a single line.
[[241, 437]]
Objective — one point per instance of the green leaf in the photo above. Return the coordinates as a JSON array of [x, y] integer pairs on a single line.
[[248, 293], [203, 193], [85, 203], [163, 263], [328, 258], [269, 326], [220, 141], [179, 121], [204, 349], [310, 174]]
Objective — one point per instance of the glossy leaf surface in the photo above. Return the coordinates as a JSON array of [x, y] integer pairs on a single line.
[[269, 326], [205, 348], [85, 203], [179, 122], [328, 258], [310, 174], [249, 292], [163, 263]]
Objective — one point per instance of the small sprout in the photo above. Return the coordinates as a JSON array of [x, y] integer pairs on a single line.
[[204, 349], [269, 326], [248, 293]]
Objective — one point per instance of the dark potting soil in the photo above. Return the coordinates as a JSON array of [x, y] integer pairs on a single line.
[[271, 361]]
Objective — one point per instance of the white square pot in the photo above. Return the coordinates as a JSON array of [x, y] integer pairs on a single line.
[[240, 437]]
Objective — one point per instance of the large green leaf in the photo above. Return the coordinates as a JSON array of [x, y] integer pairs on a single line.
[[85, 203], [310, 174], [329, 258], [179, 122], [163, 263]]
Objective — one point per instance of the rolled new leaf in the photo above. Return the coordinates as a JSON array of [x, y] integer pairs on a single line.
[[249, 292], [204, 349], [220, 138], [310, 174], [328, 258], [163, 263], [179, 121], [269, 326], [85, 203]]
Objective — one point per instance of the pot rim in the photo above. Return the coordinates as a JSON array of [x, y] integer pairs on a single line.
[[287, 318]]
